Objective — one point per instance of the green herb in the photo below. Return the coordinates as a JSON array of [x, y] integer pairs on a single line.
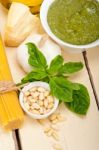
[[63, 94], [65, 83], [74, 95], [55, 65], [36, 74], [81, 100], [36, 58], [71, 67]]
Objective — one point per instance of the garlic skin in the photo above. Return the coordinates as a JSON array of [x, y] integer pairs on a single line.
[[49, 49]]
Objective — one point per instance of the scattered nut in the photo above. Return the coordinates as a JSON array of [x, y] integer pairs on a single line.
[[54, 127], [55, 136], [57, 147], [52, 117], [60, 117], [41, 121], [47, 130], [50, 132], [55, 121]]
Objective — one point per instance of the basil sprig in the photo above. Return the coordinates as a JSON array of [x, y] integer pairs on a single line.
[[74, 95]]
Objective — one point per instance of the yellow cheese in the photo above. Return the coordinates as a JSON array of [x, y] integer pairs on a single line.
[[11, 114], [35, 9], [20, 23], [28, 2]]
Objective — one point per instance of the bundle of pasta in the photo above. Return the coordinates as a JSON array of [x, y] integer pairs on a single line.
[[11, 115]]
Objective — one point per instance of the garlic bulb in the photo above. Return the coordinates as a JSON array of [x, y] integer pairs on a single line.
[[48, 48]]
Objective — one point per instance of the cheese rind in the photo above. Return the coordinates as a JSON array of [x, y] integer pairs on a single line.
[[29, 2], [20, 23]]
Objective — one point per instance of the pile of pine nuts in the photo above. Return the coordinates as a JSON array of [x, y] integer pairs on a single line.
[[38, 100], [53, 129]]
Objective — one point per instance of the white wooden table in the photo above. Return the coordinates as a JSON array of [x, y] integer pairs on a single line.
[[76, 133]]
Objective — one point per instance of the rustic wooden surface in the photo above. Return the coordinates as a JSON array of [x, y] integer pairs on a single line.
[[76, 133]]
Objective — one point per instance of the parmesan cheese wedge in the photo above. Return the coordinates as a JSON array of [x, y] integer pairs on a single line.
[[20, 23]]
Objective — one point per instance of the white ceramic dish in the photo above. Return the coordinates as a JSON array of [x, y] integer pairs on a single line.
[[29, 86], [70, 47]]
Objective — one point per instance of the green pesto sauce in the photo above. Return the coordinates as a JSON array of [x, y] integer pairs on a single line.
[[75, 21]]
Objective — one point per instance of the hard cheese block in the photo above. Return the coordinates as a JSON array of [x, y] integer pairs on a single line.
[[11, 114]]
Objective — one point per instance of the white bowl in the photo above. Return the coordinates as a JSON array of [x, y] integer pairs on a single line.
[[29, 86], [70, 47]]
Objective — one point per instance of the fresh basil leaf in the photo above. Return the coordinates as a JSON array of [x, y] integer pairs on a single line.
[[55, 65], [26, 80], [36, 58], [63, 82], [35, 75], [63, 94], [81, 101], [71, 67], [46, 79]]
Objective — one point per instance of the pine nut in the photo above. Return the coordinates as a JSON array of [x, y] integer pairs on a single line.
[[35, 94], [35, 111], [57, 147], [54, 121], [41, 121], [31, 107], [25, 99], [50, 99], [40, 89], [47, 130], [29, 97], [41, 111], [50, 105], [41, 96], [46, 93], [27, 106], [36, 106], [60, 118], [47, 111], [50, 133], [32, 100], [27, 93], [55, 136], [53, 117], [54, 127], [33, 89], [46, 103], [40, 103]]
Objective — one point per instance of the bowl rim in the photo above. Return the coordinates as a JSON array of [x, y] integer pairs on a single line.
[[29, 86], [43, 16]]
